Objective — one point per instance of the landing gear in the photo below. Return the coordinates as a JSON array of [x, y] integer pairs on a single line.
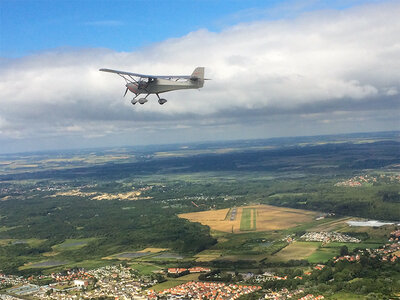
[[134, 101], [161, 101], [141, 100]]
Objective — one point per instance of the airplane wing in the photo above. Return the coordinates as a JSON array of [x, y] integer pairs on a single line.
[[146, 76]]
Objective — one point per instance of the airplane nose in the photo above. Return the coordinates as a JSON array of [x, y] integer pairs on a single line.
[[132, 87]]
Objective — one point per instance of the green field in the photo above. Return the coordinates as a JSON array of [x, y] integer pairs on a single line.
[[296, 250], [248, 220], [352, 246], [145, 268], [174, 282], [87, 264], [44, 264], [73, 244], [322, 255], [44, 229], [346, 296], [31, 242]]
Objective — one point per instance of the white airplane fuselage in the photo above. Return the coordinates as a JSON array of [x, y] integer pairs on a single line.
[[150, 84], [157, 86]]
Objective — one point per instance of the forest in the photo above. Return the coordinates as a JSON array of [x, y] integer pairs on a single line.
[[43, 207]]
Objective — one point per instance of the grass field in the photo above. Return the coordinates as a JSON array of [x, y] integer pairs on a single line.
[[30, 242], [87, 264], [268, 218], [208, 255], [145, 268], [43, 264], [352, 246], [296, 250], [314, 252], [129, 255], [322, 255], [73, 244], [248, 220], [332, 225], [174, 282]]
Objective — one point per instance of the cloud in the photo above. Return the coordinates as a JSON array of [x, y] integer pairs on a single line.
[[263, 73]]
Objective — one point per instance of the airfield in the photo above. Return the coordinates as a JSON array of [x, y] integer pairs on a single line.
[[227, 207], [257, 234], [266, 233], [251, 218]]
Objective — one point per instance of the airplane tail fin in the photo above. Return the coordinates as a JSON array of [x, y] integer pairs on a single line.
[[198, 76]]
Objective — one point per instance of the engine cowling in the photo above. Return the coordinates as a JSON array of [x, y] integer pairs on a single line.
[[133, 87], [162, 101]]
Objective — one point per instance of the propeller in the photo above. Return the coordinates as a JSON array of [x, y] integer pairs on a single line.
[[125, 92]]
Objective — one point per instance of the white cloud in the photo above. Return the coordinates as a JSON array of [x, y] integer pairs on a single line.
[[326, 60]]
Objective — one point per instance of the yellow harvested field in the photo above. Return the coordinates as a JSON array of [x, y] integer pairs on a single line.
[[154, 250], [296, 250], [274, 218], [268, 217], [215, 219]]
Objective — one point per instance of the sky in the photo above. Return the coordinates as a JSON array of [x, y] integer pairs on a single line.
[[278, 68]]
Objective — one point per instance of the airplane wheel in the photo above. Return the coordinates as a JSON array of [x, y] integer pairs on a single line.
[[133, 102], [162, 101], [142, 100]]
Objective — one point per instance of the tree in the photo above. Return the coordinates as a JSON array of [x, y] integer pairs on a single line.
[[344, 250]]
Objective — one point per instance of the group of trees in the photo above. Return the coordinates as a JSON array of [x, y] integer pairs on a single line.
[[287, 176], [364, 277], [115, 229]]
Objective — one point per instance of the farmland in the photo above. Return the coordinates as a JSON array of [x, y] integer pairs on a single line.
[[215, 219], [299, 250], [252, 218], [238, 210]]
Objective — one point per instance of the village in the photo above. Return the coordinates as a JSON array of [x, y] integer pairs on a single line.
[[329, 236], [207, 290], [123, 282], [388, 253], [363, 180]]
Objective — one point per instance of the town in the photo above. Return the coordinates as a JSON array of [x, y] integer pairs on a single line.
[[123, 282]]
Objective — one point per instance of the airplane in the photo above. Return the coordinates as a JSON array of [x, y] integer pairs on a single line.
[[150, 84]]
